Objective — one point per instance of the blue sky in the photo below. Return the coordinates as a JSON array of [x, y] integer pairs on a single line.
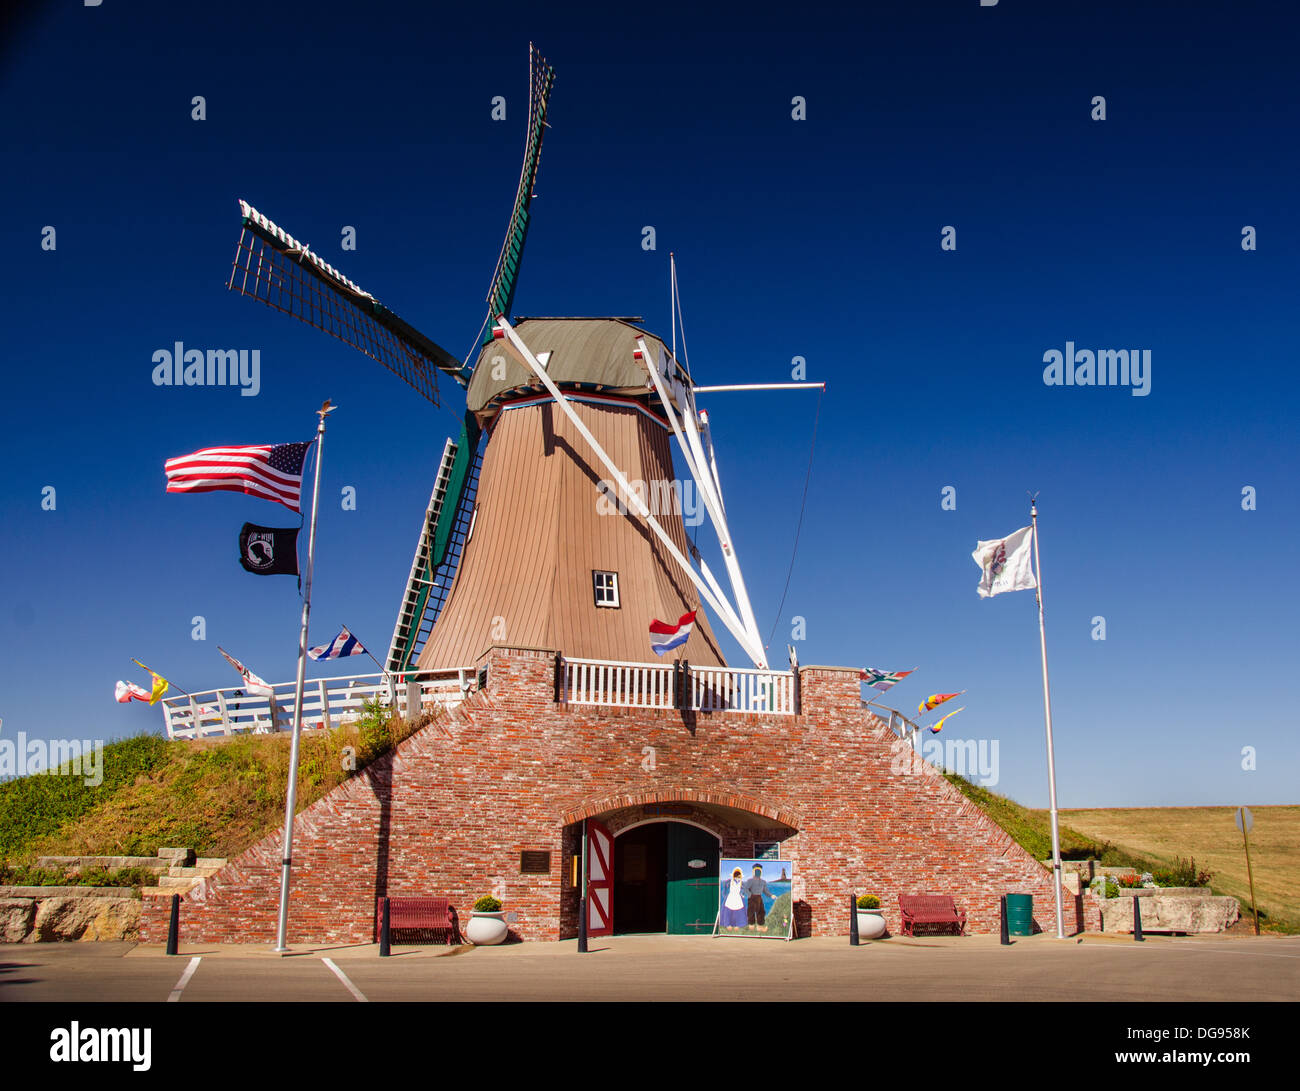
[[817, 238]]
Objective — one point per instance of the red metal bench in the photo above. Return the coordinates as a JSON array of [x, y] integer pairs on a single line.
[[425, 914], [929, 909]]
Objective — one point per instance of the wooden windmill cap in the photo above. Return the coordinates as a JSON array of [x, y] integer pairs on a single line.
[[586, 353]]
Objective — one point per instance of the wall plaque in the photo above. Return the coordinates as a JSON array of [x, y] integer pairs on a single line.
[[534, 862]]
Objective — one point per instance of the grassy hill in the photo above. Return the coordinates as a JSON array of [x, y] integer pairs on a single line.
[[216, 796], [1152, 838]]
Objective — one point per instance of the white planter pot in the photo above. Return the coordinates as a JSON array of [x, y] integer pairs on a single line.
[[485, 929], [871, 923]]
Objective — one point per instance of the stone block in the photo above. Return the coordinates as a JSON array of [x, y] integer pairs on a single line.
[[177, 856], [16, 916], [59, 919], [1171, 913]]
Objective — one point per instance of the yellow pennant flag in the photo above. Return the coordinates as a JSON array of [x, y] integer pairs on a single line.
[[937, 727], [159, 688], [160, 684]]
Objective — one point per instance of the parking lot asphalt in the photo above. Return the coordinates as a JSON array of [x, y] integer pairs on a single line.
[[668, 968]]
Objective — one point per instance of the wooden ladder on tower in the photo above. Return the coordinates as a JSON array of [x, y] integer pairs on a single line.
[[447, 519]]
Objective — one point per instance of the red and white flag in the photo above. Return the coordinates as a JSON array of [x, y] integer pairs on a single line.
[[126, 692], [665, 637], [271, 471], [253, 685]]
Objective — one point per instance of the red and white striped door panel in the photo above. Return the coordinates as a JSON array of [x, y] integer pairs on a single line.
[[600, 880]]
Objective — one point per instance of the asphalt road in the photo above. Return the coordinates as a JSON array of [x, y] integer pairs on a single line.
[[629, 968]]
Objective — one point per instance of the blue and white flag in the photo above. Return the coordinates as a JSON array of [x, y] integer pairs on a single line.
[[665, 637], [342, 645]]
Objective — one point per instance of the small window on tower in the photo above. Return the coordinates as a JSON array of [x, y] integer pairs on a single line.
[[606, 588]]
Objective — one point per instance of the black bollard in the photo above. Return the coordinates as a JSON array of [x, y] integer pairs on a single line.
[[174, 927], [1006, 934], [385, 929], [1137, 920], [582, 926], [853, 921]]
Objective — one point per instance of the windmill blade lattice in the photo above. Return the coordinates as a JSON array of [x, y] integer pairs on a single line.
[[501, 295], [273, 267]]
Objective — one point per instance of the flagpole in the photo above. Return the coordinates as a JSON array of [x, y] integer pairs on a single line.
[[1047, 712], [392, 687], [382, 668], [291, 798]]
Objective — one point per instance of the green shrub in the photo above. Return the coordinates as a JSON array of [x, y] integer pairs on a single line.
[[487, 904], [34, 805], [1105, 887], [868, 901], [1183, 873], [28, 875]]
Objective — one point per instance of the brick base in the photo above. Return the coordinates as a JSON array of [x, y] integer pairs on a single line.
[[452, 808]]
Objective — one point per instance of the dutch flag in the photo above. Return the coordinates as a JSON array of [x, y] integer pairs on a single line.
[[665, 637], [342, 645]]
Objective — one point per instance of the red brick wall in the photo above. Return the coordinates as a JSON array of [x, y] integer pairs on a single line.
[[452, 808]]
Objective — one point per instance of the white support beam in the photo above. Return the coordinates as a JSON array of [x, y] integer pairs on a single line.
[[753, 648], [713, 461], [706, 482], [758, 386]]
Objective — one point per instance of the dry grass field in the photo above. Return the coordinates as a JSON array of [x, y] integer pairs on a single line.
[[1210, 836]]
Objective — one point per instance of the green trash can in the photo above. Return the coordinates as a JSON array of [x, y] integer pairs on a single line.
[[1020, 914]]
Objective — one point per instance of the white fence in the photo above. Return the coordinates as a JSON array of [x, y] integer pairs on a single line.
[[655, 685], [899, 724], [326, 702]]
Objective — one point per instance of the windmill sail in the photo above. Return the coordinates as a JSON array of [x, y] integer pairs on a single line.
[[273, 267], [501, 295]]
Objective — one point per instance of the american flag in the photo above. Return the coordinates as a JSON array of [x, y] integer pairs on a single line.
[[273, 472]]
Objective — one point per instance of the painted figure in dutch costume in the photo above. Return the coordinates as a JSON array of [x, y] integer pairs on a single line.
[[733, 902], [756, 889]]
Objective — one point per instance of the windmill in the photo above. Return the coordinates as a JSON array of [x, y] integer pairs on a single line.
[[555, 519]]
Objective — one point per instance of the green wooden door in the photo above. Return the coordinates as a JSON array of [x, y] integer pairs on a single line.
[[692, 880]]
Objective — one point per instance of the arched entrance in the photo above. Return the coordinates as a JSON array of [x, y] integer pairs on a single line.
[[666, 878], [654, 857]]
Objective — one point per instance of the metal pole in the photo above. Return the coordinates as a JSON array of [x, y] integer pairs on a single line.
[[853, 921], [1047, 713], [1254, 905], [582, 896], [291, 797], [174, 927]]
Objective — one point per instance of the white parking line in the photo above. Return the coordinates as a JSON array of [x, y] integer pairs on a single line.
[[175, 994], [346, 983]]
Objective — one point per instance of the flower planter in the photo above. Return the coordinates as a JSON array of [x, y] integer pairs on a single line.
[[871, 923], [486, 929]]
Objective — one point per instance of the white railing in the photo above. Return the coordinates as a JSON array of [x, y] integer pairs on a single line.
[[654, 685], [327, 702], [630, 685], [899, 724]]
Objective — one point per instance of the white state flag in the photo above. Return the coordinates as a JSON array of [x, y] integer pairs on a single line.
[[1005, 563]]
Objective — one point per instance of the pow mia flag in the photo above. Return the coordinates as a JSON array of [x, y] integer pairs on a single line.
[[269, 551]]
